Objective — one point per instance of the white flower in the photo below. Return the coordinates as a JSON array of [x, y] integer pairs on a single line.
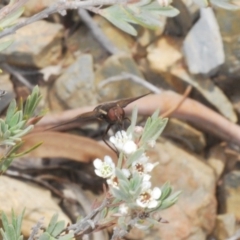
[[148, 198], [104, 169], [164, 3], [113, 180], [146, 185], [138, 131], [142, 166], [123, 142], [123, 209], [151, 143]]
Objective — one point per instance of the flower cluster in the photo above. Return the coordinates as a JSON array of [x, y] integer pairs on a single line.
[[141, 166], [129, 182]]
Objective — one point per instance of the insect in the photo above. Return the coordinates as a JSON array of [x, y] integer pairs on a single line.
[[112, 113]]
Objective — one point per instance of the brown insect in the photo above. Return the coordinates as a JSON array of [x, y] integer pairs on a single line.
[[112, 113]]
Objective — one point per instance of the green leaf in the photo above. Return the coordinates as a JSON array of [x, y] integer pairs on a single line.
[[4, 235], [153, 129], [124, 187], [28, 150], [121, 175], [58, 228], [155, 115], [52, 223], [11, 232], [5, 44], [45, 236], [11, 18], [170, 201], [120, 195], [4, 219], [24, 131], [17, 128], [135, 184], [11, 110], [166, 191], [67, 236], [157, 10], [143, 18], [18, 223], [225, 4], [135, 156], [159, 128], [31, 103], [15, 119], [3, 126], [118, 17], [133, 121], [6, 134]]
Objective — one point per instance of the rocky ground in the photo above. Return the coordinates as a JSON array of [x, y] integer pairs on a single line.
[[198, 152]]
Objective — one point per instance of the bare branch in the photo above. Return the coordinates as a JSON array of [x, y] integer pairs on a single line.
[[61, 6], [97, 32], [132, 77], [35, 229], [11, 8], [16, 74]]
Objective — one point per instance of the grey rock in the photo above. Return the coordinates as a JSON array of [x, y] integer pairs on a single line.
[[225, 226], [230, 30], [75, 87], [229, 194], [203, 47], [114, 66], [36, 45], [193, 216], [7, 86]]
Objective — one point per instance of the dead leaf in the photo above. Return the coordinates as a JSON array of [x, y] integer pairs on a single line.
[[64, 145]]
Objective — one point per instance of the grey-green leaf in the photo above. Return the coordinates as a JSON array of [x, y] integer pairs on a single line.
[[5, 44]]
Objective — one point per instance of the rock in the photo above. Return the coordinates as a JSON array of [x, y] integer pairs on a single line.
[[217, 159], [75, 87], [193, 216], [185, 134], [193, 8], [147, 36], [214, 94], [114, 66], [121, 40], [82, 40], [229, 194], [36, 45], [230, 36], [37, 202], [236, 103], [6, 85], [179, 25], [203, 47], [225, 226], [163, 53], [32, 7]]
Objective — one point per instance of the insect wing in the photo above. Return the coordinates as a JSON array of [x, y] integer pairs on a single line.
[[85, 117], [124, 102]]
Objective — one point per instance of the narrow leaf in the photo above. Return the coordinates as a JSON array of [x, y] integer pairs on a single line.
[[5, 44]]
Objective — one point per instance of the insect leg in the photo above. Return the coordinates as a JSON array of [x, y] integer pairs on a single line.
[[104, 139]]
